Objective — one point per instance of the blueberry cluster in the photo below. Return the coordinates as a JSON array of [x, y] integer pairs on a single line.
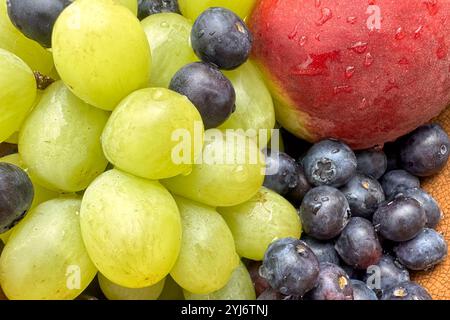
[[365, 218]]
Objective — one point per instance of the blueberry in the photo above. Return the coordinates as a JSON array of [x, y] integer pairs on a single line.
[[290, 267], [16, 195], [364, 194], [386, 273], [35, 19], [371, 162], [425, 151], [423, 252], [208, 89], [397, 181], [281, 172], [428, 203], [270, 294], [333, 284], [324, 212], [296, 195], [350, 271], [361, 291], [400, 219], [324, 251], [259, 282], [358, 244], [149, 7], [220, 37], [329, 162], [406, 291]]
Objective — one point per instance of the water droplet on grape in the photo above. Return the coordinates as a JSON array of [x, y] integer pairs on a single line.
[[343, 88], [164, 24], [302, 40], [327, 14], [400, 34], [368, 61], [418, 32], [359, 47]]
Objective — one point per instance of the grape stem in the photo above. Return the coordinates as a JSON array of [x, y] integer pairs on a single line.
[[42, 81]]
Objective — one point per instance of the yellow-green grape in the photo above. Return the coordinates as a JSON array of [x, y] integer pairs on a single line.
[[101, 52], [193, 8], [130, 4], [60, 141], [131, 228], [208, 255], [14, 138], [141, 136], [254, 105], [28, 50], [168, 35], [45, 257], [256, 223], [41, 194], [239, 287], [17, 93], [5, 236], [113, 291], [230, 172], [171, 291]]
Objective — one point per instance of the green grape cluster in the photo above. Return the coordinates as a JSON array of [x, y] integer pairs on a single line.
[[193, 8]]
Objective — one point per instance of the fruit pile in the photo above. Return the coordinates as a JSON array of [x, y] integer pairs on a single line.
[[139, 161]]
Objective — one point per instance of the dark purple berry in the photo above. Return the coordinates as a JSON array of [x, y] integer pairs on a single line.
[[425, 151], [270, 294], [324, 212], [281, 172], [259, 282], [290, 267], [400, 219], [220, 37], [358, 244], [296, 195], [428, 203], [324, 251], [149, 7], [397, 181], [361, 291], [329, 162], [391, 151], [16, 195], [294, 146], [423, 252], [386, 273], [209, 91], [364, 194], [333, 284], [406, 291], [371, 163]]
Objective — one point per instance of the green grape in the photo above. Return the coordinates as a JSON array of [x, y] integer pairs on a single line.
[[130, 4], [28, 50], [230, 172], [256, 223], [17, 93], [168, 34], [60, 141], [207, 255], [131, 228], [139, 136], [113, 291], [171, 291], [14, 138], [100, 52], [45, 257], [193, 8], [41, 194], [5, 236], [239, 287], [254, 105]]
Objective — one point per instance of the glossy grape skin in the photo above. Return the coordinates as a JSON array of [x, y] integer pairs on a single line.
[[132, 5], [371, 162], [428, 203], [254, 105], [406, 291], [16, 195], [207, 256], [11, 39], [324, 250], [113, 291], [258, 221], [60, 141], [281, 172], [109, 48], [361, 291], [193, 8], [333, 284], [151, 7], [168, 36], [239, 287], [139, 135], [222, 183], [18, 91], [44, 254], [171, 290], [220, 37], [131, 228], [35, 19], [397, 181]]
